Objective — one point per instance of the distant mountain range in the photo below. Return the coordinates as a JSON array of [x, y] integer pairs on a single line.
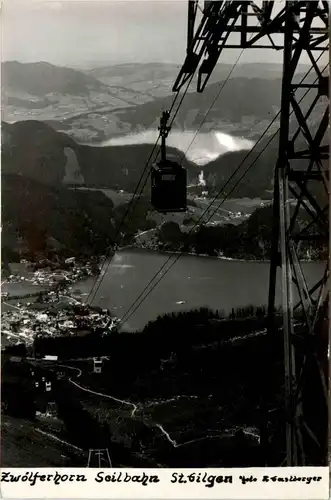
[[35, 150], [52, 115], [41, 78], [41, 215], [97, 104]]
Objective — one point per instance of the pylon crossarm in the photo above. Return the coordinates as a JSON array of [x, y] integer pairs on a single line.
[[221, 19]]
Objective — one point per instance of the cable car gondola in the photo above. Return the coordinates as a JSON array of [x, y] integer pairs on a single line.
[[168, 179], [169, 187]]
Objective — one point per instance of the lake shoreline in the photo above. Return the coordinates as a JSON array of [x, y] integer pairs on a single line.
[[219, 283], [204, 256], [187, 254]]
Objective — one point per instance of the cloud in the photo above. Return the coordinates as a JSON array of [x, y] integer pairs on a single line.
[[200, 148]]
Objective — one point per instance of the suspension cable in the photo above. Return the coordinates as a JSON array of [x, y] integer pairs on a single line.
[[212, 104], [130, 312], [134, 200], [96, 286]]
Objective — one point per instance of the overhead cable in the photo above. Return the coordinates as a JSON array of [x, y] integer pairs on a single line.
[[135, 304]]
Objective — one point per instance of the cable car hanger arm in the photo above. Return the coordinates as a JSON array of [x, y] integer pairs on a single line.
[[164, 132]]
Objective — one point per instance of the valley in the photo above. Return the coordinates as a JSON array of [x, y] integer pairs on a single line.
[[95, 354], [94, 105]]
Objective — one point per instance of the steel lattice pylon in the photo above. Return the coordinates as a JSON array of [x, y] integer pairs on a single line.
[[301, 203], [301, 192]]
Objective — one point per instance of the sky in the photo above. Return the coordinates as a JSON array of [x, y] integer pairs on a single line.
[[101, 32]]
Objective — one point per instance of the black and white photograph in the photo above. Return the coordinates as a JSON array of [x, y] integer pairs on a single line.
[[164, 233]]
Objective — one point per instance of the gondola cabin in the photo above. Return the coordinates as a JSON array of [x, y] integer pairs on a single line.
[[168, 186]]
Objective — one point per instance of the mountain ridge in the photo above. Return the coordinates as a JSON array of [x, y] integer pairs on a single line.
[[40, 162], [41, 78], [33, 148], [134, 96]]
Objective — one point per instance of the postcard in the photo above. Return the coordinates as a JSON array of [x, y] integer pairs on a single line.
[[165, 249]]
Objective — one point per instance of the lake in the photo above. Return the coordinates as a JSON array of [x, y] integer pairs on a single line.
[[192, 282]]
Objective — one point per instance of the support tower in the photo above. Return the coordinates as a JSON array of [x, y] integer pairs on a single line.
[[301, 194]]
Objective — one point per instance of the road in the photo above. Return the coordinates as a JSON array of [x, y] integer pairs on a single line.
[[82, 388], [136, 407], [25, 442]]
